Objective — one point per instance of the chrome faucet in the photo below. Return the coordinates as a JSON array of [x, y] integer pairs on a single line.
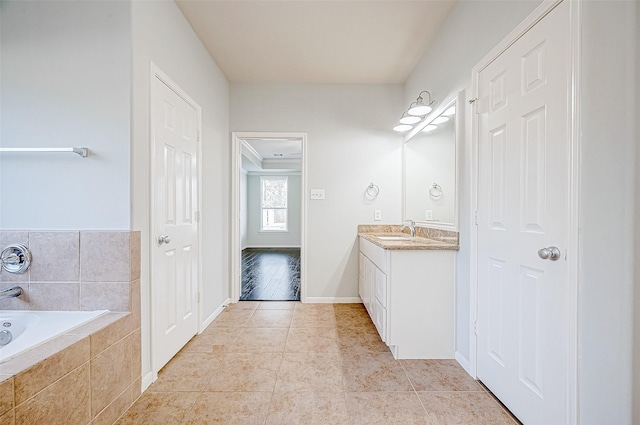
[[14, 291], [411, 226]]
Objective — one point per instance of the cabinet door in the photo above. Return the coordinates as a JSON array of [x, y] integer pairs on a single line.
[[369, 279], [381, 287], [361, 276], [380, 319]]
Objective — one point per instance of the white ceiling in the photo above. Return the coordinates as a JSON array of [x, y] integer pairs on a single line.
[[273, 154], [316, 41]]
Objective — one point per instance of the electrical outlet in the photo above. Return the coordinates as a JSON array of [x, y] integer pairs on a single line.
[[428, 215], [377, 215], [317, 194]]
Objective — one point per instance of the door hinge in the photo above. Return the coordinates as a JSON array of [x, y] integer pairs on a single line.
[[475, 217], [197, 216], [198, 297], [475, 327], [198, 135]]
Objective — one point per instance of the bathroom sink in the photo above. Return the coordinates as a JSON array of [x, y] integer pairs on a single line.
[[394, 238]]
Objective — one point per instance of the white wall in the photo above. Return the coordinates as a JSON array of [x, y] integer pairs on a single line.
[[66, 70], [348, 148], [444, 70], [636, 304], [292, 237], [162, 35], [605, 334]]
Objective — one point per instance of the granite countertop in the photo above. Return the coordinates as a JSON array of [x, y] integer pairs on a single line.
[[425, 239]]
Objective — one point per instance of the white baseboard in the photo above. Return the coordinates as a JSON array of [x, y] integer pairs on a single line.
[[213, 315], [147, 381], [333, 300], [272, 246], [463, 362]]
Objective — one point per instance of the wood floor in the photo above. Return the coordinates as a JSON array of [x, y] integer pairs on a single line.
[[270, 274]]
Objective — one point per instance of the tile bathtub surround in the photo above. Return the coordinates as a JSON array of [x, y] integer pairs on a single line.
[[308, 364], [76, 270], [89, 376]]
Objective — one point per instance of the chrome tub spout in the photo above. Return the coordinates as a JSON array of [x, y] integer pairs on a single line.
[[14, 291]]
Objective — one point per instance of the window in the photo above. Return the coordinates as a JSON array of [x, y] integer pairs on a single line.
[[273, 203]]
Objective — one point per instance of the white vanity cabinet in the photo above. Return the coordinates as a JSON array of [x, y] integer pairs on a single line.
[[409, 295]]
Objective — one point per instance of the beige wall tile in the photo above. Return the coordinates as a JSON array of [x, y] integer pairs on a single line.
[[32, 357], [64, 402], [115, 409], [8, 418], [6, 396], [135, 255], [17, 303], [112, 296], [106, 337], [104, 256], [136, 355], [34, 379], [56, 256], [9, 237], [110, 374], [54, 296], [97, 324], [134, 303]]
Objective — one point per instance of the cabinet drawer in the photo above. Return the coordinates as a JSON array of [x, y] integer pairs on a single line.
[[375, 253], [381, 287]]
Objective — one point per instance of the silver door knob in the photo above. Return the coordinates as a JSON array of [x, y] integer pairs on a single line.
[[551, 253], [163, 239]]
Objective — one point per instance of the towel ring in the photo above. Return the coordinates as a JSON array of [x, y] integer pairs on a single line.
[[372, 191], [435, 191]]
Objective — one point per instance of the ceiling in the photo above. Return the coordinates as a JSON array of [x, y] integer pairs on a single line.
[[316, 41], [272, 154]]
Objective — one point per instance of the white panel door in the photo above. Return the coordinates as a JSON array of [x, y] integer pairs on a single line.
[[174, 274], [523, 192]]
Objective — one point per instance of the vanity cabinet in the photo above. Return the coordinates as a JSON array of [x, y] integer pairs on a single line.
[[409, 295]]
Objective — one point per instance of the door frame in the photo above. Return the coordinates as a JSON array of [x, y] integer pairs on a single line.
[[236, 170], [573, 116], [157, 73]]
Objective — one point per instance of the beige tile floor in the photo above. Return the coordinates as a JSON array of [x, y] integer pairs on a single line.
[[281, 363]]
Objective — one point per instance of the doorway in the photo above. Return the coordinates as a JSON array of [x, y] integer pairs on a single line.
[[268, 216]]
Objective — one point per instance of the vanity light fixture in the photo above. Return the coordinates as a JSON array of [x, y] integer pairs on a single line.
[[440, 120], [403, 127], [429, 128], [419, 108], [409, 119]]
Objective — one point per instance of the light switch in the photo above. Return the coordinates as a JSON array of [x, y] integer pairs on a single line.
[[317, 194], [377, 215]]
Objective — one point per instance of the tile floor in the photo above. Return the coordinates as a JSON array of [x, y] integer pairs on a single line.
[[280, 363]]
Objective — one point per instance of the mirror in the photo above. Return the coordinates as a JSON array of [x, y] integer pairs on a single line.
[[431, 168]]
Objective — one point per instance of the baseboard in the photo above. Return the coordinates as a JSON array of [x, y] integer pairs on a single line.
[[333, 300], [213, 315], [272, 246], [147, 381], [463, 362]]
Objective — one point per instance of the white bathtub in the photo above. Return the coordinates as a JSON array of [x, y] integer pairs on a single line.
[[32, 328]]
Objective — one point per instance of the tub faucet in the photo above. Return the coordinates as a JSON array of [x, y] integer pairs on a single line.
[[14, 291], [411, 226]]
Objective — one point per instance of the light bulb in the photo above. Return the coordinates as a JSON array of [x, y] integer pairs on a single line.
[[409, 120], [429, 128], [402, 127], [419, 110], [440, 120]]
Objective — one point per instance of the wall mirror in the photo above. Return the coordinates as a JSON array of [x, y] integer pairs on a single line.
[[431, 168]]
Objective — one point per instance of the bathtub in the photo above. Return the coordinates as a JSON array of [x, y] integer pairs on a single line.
[[27, 329]]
